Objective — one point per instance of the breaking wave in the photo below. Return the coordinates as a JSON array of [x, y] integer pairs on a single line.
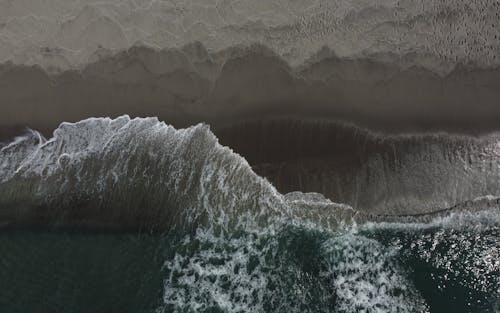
[[306, 214], [228, 240], [143, 173], [128, 172]]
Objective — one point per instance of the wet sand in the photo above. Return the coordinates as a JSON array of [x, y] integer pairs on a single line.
[[251, 83]]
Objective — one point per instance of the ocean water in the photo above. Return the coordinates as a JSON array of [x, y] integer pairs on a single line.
[[443, 266], [283, 206], [132, 215]]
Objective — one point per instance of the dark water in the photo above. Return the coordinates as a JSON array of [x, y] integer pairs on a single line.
[[61, 272], [186, 225], [436, 267]]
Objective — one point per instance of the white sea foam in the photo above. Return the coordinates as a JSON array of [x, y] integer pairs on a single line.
[[244, 247], [141, 171]]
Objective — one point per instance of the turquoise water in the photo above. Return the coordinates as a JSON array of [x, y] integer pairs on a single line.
[[290, 268]]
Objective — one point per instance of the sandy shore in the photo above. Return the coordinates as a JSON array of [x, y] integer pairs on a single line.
[[250, 83]]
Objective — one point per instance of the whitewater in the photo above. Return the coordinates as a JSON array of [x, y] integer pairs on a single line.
[[176, 222], [202, 156]]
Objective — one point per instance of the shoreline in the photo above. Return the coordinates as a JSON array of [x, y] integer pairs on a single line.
[[251, 83]]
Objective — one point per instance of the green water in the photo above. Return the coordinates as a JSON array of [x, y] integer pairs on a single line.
[[57, 272], [292, 268]]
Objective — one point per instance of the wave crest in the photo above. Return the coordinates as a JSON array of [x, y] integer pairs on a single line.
[[129, 172], [142, 173]]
